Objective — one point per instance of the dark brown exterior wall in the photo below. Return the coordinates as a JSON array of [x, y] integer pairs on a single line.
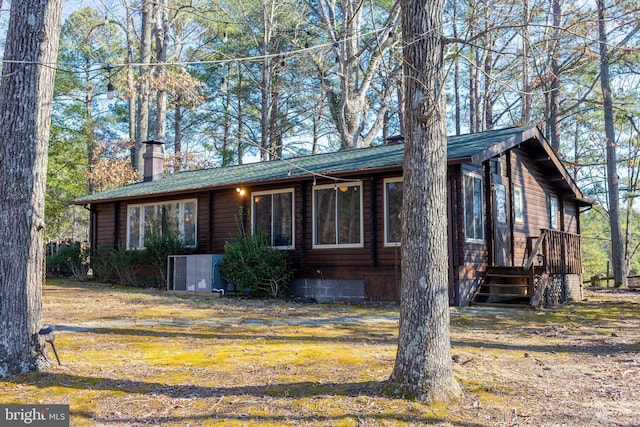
[[219, 219], [105, 225], [374, 264], [468, 259], [536, 191], [374, 268], [471, 259], [535, 199], [571, 219]]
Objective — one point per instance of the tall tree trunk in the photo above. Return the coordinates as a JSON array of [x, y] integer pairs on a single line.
[[474, 90], [227, 156], [472, 95], [525, 116], [177, 143], [265, 86], [142, 116], [240, 116], [162, 46], [489, 40], [617, 244], [26, 95], [228, 151], [456, 74], [423, 362], [401, 103], [554, 93], [275, 127], [265, 89], [90, 130], [488, 90], [129, 29]]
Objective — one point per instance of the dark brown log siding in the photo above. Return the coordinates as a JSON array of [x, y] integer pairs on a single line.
[[571, 217], [222, 212], [111, 229], [105, 216], [377, 265], [471, 256], [536, 191]]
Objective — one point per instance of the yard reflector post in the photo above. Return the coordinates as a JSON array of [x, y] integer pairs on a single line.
[[49, 336]]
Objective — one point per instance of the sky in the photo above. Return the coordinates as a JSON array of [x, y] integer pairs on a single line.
[[69, 6]]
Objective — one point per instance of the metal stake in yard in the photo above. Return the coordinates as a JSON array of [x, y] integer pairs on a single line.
[[49, 337]]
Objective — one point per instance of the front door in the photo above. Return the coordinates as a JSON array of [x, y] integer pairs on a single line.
[[501, 219]]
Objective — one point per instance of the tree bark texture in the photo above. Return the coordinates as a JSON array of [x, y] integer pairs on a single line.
[[423, 363], [129, 27], [525, 116], [142, 116], [26, 93], [554, 93], [617, 242], [265, 86], [161, 31]]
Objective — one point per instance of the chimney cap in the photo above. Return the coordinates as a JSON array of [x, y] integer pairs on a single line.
[[396, 139], [154, 142]]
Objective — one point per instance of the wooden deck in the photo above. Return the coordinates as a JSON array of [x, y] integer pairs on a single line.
[[551, 254]]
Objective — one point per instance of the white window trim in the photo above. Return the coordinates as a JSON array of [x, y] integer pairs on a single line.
[[314, 211], [387, 243], [464, 201], [293, 213], [518, 199], [180, 202]]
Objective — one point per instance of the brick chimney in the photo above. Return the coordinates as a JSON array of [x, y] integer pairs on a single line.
[[153, 160]]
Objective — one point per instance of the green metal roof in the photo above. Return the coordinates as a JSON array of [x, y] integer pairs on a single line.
[[460, 148]]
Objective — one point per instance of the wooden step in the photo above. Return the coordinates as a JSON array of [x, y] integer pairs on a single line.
[[510, 275], [501, 304], [506, 285], [503, 287], [489, 294]]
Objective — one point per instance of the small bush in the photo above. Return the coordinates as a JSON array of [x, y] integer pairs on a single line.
[[141, 268], [154, 257], [101, 264], [125, 267], [250, 263], [72, 258]]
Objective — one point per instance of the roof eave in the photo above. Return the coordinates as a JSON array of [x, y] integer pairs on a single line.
[[459, 160], [566, 176], [507, 144]]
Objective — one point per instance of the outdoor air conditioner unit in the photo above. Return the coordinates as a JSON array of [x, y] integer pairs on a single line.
[[195, 273]]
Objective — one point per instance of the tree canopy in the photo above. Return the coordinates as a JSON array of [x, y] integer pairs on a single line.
[[233, 82]]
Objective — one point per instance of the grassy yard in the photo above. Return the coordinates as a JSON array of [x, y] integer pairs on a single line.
[[144, 357]]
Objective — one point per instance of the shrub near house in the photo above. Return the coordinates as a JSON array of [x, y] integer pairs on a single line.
[[255, 267]]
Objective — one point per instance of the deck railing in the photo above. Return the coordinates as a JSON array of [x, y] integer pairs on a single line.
[[557, 252]]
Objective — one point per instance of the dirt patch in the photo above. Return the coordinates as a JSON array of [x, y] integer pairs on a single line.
[[141, 357], [576, 365]]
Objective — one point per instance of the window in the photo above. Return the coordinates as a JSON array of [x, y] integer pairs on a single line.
[[392, 207], [473, 216], [177, 217], [272, 214], [553, 212], [337, 218], [518, 204]]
